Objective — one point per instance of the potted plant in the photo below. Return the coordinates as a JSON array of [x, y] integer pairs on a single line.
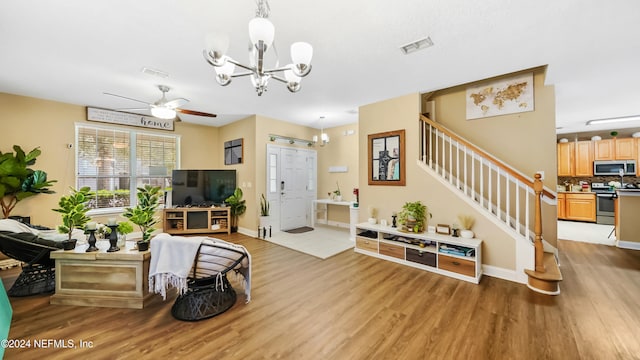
[[73, 208], [124, 228], [264, 212], [413, 216], [237, 207], [144, 213], [18, 181], [337, 194]]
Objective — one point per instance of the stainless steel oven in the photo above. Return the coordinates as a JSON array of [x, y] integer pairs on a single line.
[[605, 211]]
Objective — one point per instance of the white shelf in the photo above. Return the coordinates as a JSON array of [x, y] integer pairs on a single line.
[[429, 257]]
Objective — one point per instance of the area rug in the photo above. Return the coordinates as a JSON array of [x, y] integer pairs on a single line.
[[300, 230], [323, 243]]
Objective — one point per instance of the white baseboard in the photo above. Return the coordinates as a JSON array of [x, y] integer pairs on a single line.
[[629, 245], [501, 273]]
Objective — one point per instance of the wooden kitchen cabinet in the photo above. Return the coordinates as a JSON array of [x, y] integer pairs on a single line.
[[583, 158], [562, 214], [604, 149], [615, 149], [581, 207], [625, 149], [566, 153]]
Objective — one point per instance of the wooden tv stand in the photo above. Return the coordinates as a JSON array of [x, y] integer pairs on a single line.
[[195, 220]]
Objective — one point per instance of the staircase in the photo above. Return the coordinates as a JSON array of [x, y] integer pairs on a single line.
[[508, 198]]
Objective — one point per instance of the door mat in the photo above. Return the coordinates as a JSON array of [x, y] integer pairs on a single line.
[[299, 230]]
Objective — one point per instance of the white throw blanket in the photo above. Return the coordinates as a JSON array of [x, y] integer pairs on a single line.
[[171, 260]]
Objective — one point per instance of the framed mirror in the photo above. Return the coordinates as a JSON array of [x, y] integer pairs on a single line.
[[387, 158], [233, 152]]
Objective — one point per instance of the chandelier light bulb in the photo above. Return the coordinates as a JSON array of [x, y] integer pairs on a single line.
[[261, 29]]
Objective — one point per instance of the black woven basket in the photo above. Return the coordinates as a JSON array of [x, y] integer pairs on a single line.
[[204, 301], [34, 279]]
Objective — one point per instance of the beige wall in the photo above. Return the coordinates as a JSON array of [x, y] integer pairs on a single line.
[[526, 141], [31, 122]]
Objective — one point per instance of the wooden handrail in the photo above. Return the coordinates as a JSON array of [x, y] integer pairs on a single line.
[[497, 162]]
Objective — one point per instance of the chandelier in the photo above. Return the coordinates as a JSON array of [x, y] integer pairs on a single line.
[[261, 33], [324, 137]]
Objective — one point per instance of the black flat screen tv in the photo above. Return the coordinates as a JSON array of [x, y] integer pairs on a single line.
[[202, 188]]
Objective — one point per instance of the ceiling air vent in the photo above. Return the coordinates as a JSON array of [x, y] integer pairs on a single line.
[[154, 72], [416, 45]]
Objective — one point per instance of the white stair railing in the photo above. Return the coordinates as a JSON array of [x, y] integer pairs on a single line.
[[503, 192]]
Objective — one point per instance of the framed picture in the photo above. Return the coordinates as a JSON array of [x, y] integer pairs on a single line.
[[387, 158], [443, 229], [233, 152]]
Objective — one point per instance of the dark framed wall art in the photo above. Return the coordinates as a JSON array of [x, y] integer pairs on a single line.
[[387, 158], [233, 152]]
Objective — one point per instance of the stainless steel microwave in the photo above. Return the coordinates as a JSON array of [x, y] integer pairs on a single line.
[[613, 167]]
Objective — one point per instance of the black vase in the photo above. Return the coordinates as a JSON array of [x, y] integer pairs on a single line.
[[113, 238]]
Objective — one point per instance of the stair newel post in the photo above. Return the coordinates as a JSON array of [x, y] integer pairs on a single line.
[[539, 248]]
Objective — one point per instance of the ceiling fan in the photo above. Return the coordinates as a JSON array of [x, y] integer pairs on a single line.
[[163, 108]]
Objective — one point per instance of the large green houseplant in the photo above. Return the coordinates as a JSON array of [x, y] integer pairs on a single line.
[[18, 181], [237, 207], [73, 208], [144, 213], [413, 216]]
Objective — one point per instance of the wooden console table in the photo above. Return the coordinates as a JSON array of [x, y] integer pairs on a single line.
[[118, 279]]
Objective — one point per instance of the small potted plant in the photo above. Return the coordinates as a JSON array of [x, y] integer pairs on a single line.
[[264, 212], [73, 208], [144, 213], [337, 194], [466, 223], [124, 228], [413, 216]]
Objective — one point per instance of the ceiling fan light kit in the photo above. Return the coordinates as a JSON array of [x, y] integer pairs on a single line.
[[261, 34]]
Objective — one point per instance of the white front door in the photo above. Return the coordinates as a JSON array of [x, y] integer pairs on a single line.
[[294, 184]]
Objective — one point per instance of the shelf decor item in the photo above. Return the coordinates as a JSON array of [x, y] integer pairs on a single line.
[[413, 216], [466, 222]]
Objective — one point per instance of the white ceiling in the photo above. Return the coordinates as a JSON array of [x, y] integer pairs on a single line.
[[75, 50]]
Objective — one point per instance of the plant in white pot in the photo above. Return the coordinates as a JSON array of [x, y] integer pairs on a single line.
[[264, 212], [466, 223]]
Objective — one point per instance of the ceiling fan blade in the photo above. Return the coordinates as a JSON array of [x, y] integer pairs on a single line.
[[176, 103], [196, 113], [128, 98]]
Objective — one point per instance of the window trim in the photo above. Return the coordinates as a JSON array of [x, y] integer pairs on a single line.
[[132, 159]]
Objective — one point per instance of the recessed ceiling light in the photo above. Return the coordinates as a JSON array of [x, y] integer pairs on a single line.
[[154, 72], [416, 45]]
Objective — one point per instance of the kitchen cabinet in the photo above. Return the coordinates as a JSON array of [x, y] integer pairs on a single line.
[[562, 214], [583, 158], [581, 207], [625, 149], [566, 153], [615, 149]]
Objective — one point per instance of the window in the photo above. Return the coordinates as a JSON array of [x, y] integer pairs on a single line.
[[114, 162]]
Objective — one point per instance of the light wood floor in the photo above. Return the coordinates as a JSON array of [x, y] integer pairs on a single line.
[[353, 306]]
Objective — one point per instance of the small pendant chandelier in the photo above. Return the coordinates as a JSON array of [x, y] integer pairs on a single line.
[[324, 137], [261, 33]]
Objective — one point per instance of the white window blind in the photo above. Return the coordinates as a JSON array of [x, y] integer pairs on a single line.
[[114, 162]]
